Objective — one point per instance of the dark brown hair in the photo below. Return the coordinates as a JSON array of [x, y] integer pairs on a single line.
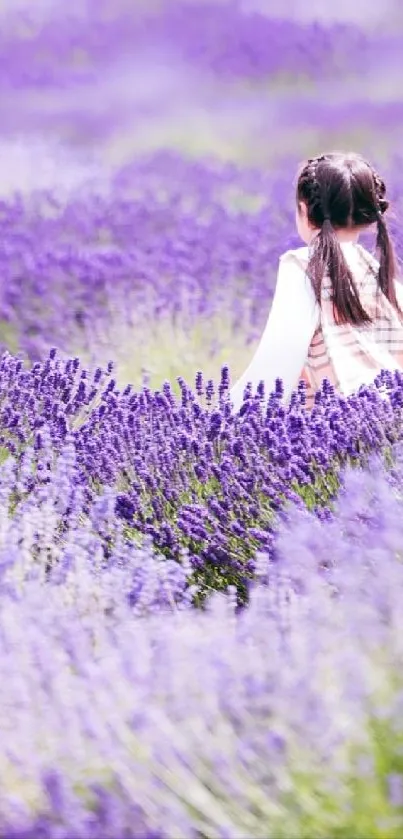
[[344, 191]]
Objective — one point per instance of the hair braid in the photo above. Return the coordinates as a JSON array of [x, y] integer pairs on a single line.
[[317, 202], [380, 192], [386, 255]]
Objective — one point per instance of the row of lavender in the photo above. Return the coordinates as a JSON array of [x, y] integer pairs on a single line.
[[167, 241], [125, 711], [112, 77], [203, 485], [57, 46]]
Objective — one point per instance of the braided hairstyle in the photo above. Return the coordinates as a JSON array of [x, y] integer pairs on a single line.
[[342, 191]]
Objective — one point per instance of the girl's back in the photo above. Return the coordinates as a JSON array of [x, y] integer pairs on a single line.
[[350, 355], [337, 310]]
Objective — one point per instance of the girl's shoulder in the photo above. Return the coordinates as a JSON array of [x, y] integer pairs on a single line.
[[297, 255], [302, 255], [293, 267]]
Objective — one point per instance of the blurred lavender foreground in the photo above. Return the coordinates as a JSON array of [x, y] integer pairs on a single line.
[[200, 614]]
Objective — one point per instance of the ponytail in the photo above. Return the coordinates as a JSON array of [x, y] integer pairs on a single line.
[[387, 262], [327, 258]]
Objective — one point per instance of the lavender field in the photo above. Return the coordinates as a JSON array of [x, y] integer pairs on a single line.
[[201, 630]]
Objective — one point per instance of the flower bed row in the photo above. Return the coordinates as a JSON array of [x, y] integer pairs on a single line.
[[62, 46], [186, 474]]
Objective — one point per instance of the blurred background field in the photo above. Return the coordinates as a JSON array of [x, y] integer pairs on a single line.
[[221, 77], [169, 135]]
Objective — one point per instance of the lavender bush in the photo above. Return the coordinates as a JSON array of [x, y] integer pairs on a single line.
[[186, 473]]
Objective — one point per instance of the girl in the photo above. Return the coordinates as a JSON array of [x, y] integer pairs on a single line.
[[337, 311]]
